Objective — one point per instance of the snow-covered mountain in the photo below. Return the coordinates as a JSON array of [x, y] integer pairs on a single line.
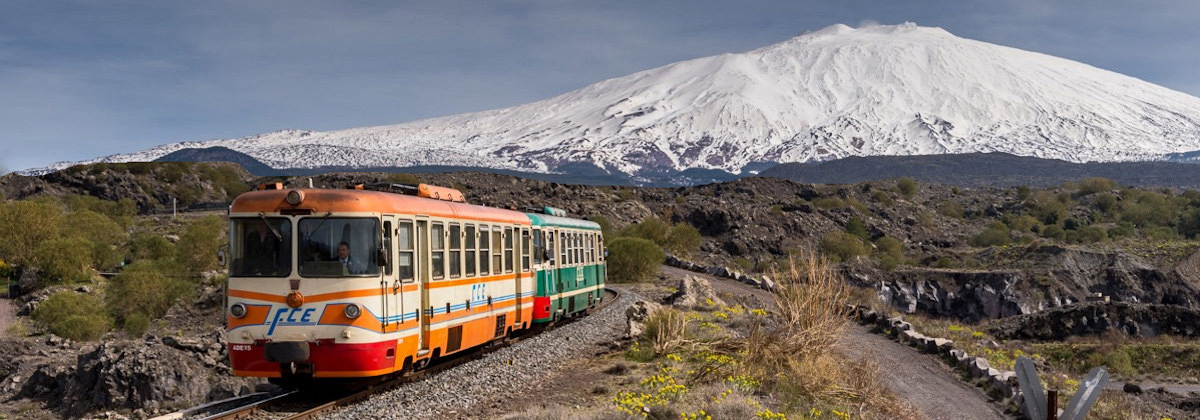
[[832, 93]]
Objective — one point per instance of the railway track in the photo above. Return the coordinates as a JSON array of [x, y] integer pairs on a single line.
[[298, 405]]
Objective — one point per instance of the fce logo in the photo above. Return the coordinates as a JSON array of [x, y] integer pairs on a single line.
[[290, 317]]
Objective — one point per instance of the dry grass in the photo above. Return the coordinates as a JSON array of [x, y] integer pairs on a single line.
[[667, 331], [796, 353]]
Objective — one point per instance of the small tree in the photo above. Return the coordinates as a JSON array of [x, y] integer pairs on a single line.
[[906, 186], [73, 315], [633, 259]]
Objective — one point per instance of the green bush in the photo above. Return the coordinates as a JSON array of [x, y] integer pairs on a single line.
[[136, 324], [1054, 232], [146, 288], [76, 316], [606, 228], [633, 259], [24, 225], [650, 229], [147, 245], [1092, 234], [996, 234], [197, 247], [64, 260], [1089, 186], [682, 239], [829, 203], [842, 246], [882, 198], [891, 247], [906, 186], [105, 235], [857, 228], [1106, 202], [403, 179], [951, 209], [1025, 224]]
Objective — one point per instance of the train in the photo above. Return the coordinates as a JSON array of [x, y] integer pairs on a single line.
[[374, 280]]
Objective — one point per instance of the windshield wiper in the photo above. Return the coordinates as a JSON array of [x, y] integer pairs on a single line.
[[278, 236]]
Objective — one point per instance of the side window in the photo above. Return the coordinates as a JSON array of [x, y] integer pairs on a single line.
[[578, 248], [538, 246], [455, 251], [550, 247], [404, 243], [497, 238], [387, 245], [484, 250], [562, 248], [437, 235], [508, 250], [525, 245], [470, 247]]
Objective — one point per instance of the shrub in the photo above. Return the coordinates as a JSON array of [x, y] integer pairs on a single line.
[[842, 246], [1092, 234], [146, 288], [76, 316], [1088, 186], [136, 324], [682, 239], [1053, 232], [996, 234], [606, 228], [1023, 192], [882, 198], [64, 260], [633, 259], [951, 208], [666, 331], [104, 234], [650, 228], [197, 247], [891, 247], [1106, 202], [829, 203], [857, 228], [24, 225], [147, 245], [906, 186], [1025, 224]]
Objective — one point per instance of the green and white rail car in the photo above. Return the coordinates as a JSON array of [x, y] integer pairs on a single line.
[[569, 261]]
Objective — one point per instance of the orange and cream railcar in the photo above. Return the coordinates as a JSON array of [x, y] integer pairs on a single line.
[[353, 283]]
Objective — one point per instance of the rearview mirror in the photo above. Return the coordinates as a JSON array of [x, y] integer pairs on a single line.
[[221, 257], [381, 256]]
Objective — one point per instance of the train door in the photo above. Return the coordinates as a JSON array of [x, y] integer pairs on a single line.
[[389, 284], [422, 273], [522, 271]]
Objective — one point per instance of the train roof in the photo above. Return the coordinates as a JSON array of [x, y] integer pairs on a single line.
[[548, 220], [321, 200]]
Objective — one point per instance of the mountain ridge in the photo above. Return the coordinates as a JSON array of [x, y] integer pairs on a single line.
[[823, 95]]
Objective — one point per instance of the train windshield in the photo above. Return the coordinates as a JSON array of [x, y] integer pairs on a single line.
[[338, 247], [261, 247]]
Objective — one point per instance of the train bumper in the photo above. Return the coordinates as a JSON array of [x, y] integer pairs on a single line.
[[325, 360]]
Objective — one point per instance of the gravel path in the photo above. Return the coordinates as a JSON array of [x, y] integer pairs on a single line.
[[8, 314], [498, 375], [918, 379]]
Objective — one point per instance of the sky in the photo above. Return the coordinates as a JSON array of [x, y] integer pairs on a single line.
[[83, 79]]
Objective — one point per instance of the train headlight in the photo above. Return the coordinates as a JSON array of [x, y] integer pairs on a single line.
[[352, 311], [294, 197], [237, 310]]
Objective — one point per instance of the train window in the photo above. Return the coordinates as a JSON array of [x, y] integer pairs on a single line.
[[562, 245], [404, 242], [387, 245], [336, 247], [539, 246], [508, 250], [438, 248], [497, 237], [600, 250], [470, 248], [484, 250], [525, 245], [455, 251], [263, 247], [579, 248], [550, 247]]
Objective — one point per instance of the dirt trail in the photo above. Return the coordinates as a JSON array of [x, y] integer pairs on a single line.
[[919, 379], [8, 314]]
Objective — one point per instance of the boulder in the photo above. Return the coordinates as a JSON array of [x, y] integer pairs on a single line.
[[695, 292], [636, 316]]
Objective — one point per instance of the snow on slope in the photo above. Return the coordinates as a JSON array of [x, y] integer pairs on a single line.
[[832, 93]]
